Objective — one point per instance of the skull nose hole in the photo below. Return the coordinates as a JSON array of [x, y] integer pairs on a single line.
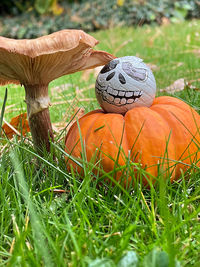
[[121, 79], [109, 77]]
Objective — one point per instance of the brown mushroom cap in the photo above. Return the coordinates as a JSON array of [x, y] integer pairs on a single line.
[[41, 60], [34, 63]]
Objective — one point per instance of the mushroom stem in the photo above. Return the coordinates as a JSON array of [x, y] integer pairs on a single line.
[[38, 103], [41, 129]]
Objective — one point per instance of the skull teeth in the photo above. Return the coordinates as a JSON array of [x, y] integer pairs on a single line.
[[123, 101], [121, 93], [130, 101], [117, 100], [129, 94], [110, 98], [112, 91], [117, 97]]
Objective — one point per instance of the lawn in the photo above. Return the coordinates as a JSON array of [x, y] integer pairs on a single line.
[[91, 223]]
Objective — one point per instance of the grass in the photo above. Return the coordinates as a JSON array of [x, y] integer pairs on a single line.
[[100, 225]]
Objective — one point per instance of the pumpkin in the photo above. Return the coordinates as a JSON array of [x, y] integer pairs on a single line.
[[167, 132]]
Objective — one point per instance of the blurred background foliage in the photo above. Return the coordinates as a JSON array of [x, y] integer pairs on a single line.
[[34, 18]]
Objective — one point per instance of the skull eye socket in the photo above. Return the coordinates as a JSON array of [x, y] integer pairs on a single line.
[[109, 77], [121, 79], [110, 66], [138, 74]]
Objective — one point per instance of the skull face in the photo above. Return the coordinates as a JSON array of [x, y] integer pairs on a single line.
[[125, 83]]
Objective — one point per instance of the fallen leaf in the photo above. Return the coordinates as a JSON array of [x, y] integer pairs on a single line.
[[177, 86], [153, 67], [195, 80], [197, 52], [16, 126]]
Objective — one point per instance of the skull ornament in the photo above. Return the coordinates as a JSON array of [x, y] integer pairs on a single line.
[[125, 83]]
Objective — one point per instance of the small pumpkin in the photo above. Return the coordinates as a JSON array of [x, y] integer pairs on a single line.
[[166, 132], [158, 133]]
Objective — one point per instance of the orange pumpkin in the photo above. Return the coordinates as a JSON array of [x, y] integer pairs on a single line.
[[167, 133]]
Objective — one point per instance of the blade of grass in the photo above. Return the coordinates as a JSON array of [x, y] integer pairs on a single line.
[[3, 108], [35, 220]]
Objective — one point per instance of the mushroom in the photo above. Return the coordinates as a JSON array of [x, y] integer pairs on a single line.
[[34, 63]]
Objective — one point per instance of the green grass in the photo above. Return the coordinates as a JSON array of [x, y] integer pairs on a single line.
[[96, 224]]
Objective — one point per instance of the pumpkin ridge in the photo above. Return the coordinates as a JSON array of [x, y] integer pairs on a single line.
[[183, 132], [170, 138], [173, 111], [72, 141], [108, 141], [149, 146], [90, 128], [194, 137], [80, 119], [171, 101]]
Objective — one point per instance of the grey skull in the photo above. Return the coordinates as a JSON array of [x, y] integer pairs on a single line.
[[125, 83]]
